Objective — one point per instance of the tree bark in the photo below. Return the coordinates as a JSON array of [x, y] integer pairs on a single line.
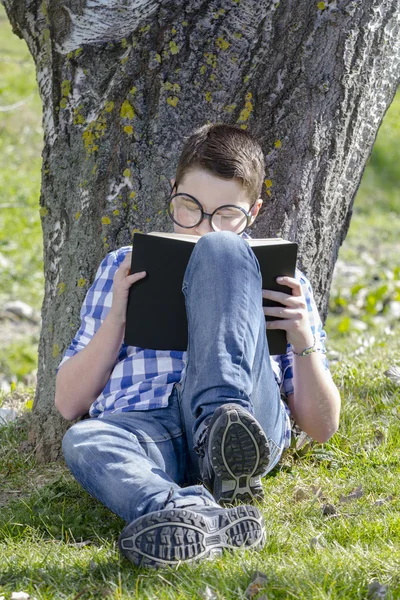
[[122, 83]]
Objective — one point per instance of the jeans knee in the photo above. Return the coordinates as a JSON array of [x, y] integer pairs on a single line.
[[221, 246], [69, 443], [218, 238]]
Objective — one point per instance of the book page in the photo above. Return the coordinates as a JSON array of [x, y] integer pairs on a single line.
[[267, 241], [186, 237]]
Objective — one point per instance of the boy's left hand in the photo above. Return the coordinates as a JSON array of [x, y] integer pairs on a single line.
[[293, 316]]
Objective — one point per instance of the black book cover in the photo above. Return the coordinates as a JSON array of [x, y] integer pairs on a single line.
[[156, 312]]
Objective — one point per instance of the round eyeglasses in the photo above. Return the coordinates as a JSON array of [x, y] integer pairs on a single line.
[[187, 212]]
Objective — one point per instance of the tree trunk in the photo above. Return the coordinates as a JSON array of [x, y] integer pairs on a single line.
[[122, 83]]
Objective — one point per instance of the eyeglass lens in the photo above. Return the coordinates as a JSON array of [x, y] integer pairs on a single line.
[[187, 213]]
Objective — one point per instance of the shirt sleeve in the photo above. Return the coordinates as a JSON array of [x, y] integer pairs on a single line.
[[286, 360], [96, 305]]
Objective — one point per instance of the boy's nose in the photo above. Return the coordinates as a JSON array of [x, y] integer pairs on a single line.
[[204, 227]]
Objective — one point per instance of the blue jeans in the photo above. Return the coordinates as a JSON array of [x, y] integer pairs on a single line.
[[136, 462]]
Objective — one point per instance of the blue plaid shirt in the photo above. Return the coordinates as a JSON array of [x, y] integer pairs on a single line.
[[143, 379]]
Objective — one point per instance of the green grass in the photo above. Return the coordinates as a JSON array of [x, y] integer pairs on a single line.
[[44, 512], [359, 543]]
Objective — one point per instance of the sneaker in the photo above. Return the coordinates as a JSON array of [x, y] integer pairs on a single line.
[[181, 535], [233, 454]]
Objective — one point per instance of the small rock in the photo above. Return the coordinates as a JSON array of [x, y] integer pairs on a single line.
[[316, 490], [21, 310], [256, 584], [315, 543], [377, 591], [354, 495], [393, 373], [7, 415], [20, 596], [328, 509], [300, 494]]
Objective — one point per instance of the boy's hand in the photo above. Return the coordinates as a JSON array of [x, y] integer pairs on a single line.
[[122, 283], [293, 315]]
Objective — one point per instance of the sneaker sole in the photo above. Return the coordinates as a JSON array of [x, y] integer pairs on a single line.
[[168, 537], [239, 453]]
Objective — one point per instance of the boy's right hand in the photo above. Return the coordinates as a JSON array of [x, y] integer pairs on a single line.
[[122, 282]]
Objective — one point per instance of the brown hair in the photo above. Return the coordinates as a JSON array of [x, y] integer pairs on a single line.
[[225, 151]]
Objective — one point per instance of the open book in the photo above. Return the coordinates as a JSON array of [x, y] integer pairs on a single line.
[[156, 311]]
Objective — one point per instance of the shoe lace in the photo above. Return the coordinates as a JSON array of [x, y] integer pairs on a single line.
[[185, 502]]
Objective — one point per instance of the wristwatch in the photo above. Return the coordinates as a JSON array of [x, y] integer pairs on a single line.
[[308, 350]]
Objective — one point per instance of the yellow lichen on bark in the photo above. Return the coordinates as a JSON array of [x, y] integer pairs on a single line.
[[173, 47], [127, 111], [173, 100], [230, 108], [222, 44]]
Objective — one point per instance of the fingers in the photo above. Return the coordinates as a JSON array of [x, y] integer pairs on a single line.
[[123, 272], [136, 276], [292, 283], [291, 301], [283, 313], [279, 324]]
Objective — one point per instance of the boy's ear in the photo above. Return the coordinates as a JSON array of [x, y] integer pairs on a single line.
[[172, 181], [255, 210]]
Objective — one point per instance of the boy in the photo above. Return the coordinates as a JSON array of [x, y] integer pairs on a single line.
[[162, 420]]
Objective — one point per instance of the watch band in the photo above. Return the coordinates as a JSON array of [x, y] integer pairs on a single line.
[[308, 350]]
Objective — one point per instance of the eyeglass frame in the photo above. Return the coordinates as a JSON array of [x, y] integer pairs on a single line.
[[208, 215]]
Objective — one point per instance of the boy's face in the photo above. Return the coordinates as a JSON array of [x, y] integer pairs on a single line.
[[212, 192]]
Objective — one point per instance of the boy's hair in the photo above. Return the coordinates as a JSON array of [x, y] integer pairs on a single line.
[[225, 151]]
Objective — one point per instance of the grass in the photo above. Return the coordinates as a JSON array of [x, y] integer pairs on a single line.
[[39, 531], [44, 514]]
